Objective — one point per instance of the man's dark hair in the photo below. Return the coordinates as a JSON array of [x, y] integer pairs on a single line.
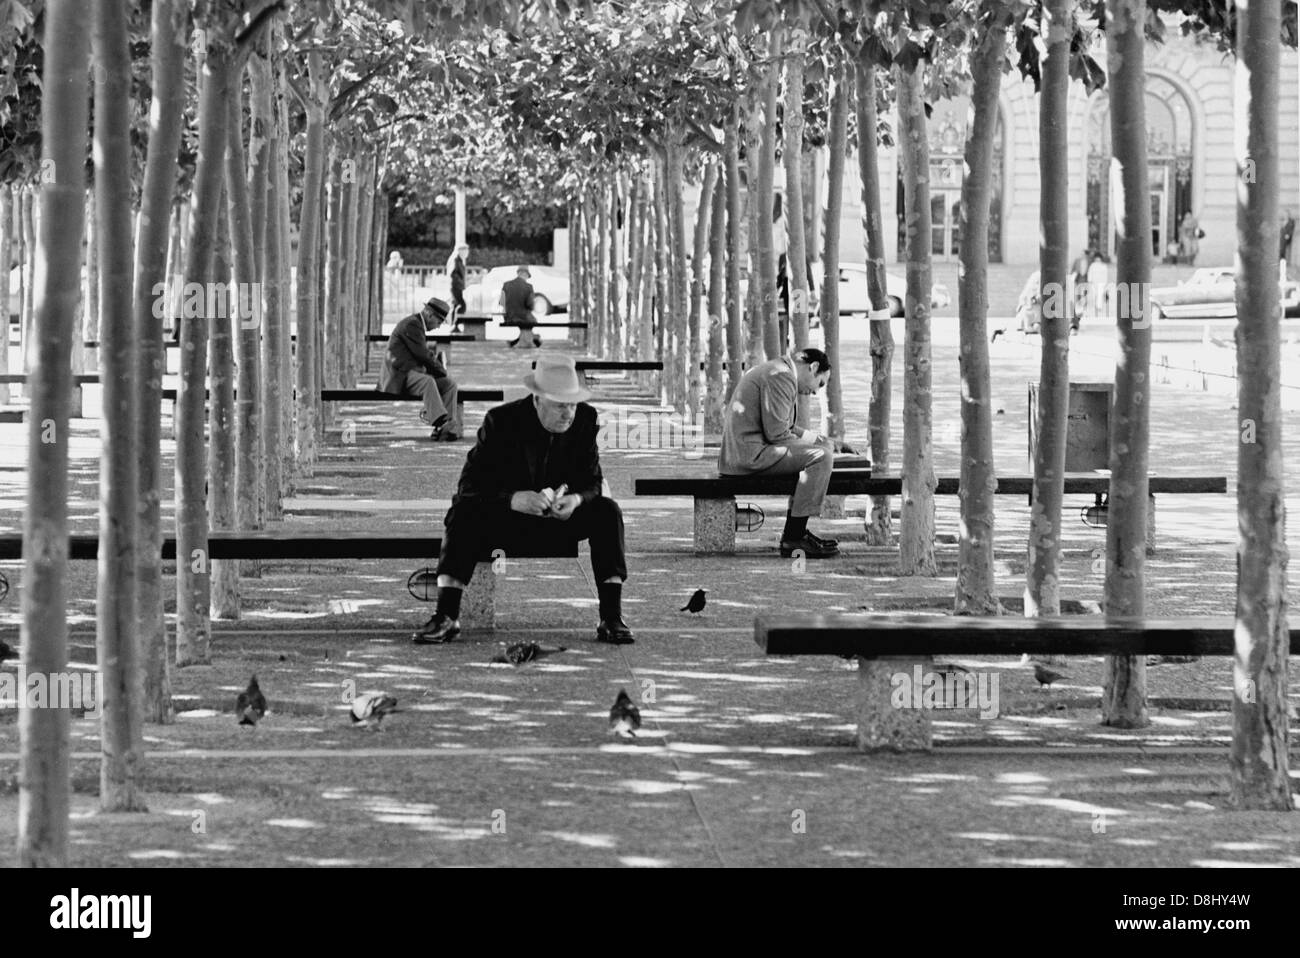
[[809, 355]]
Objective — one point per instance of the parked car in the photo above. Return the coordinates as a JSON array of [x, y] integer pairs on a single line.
[[854, 298], [1211, 293], [550, 290]]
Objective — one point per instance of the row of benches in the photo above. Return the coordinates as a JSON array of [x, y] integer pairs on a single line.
[[715, 497]]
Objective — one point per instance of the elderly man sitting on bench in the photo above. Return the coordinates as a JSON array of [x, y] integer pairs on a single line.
[[534, 474], [410, 369], [760, 438]]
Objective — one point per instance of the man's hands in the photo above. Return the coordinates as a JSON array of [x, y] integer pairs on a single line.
[[539, 504], [530, 503], [565, 506]]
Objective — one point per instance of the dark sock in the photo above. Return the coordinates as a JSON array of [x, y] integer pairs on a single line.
[[449, 601], [795, 527], [611, 601]]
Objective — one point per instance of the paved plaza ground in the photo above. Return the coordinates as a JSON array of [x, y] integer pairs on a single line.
[[743, 760]]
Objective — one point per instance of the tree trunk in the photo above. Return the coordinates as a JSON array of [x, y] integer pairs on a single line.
[[879, 526], [714, 397], [333, 279], [307, 310], [264, 156], [695, 343], [662, 281], [121, 725], [193, 584], [87, 322], [916, 538], [227, 496], [363, 253], [6, 258], [1124, 683], [1042, 578], [344, 301], [604, 226], [767, 299], [615, 266], [153, 275], [577, 313], [837, 135], [44, 770], [678, 283], [251, 409], [976, 592], [27, 323], [279, 340], [1259, 770], [796, 257], [735, 330]]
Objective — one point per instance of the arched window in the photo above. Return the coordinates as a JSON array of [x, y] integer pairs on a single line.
[[1169, 150]]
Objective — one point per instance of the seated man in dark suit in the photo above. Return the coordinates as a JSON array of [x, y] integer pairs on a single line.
[[516, 302], [533, 475], [410, 369]]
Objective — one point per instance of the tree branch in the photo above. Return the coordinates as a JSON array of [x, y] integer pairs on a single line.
[[340, 101], [249, 36]]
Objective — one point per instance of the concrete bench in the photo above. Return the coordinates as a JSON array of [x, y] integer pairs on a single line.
[[715, 496], [894, 650], [373, 395], [479, 607]]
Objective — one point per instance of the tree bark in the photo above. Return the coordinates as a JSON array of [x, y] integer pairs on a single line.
[[225, 449], [1259, 766], [837, 136], [193, 584], [735, 226], [27, 323], [1124, 682], [916, 538], [117, 643], [279, 340], [264, 157], [879, 526], [662, 282], [307, 308], [1042, 579], [976, 592], [714, 396], [153, 280], [333, 280], [796, 259], [251, 409], [699, 285], [344, 300], [678, 281], [86, 325], [767, 299], [6, 257], [44, 770]]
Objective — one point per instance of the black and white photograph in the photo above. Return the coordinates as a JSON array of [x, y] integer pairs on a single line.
[[650, 434]]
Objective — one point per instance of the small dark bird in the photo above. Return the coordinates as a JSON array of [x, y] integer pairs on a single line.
[[696, 605], [624, 717], [369, 709], [251, 704], [1045, 675], [7, 651], [522, 652], [284, 658]]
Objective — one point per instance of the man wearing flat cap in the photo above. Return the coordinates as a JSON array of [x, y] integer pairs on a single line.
[[411, 370], [516, 302], [533, 475]]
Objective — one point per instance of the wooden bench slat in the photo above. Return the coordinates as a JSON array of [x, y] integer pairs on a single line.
[[845, 482], [299, 544], [877, 636]]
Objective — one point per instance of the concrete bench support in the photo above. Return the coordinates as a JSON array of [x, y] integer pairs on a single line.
[[881, 725], [715, 526]]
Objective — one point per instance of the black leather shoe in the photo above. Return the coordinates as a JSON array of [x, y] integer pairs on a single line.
[[437, 630], [810, 546], [824, 543], [614, 633]]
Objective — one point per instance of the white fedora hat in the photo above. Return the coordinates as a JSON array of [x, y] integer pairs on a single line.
[[556, 378]]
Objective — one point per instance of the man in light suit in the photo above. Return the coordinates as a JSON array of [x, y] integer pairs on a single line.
[[411, 370], [759, 438]]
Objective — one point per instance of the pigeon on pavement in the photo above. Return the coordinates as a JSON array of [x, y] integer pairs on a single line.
[[369, 709], [624, 717], [522, 652], [251, 704], [696, 604], [1045, 675]]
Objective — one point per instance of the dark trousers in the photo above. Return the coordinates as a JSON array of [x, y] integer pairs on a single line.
[[477, 529]]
